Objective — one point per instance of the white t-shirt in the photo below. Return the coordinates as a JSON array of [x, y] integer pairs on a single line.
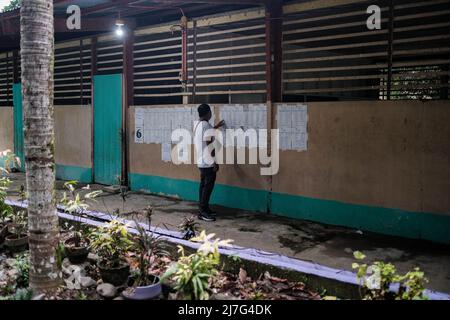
[[201, 136]]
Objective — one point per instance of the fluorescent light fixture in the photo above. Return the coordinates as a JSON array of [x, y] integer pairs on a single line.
[[119, 30]]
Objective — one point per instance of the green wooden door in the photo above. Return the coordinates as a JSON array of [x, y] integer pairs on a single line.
[[18, 124], [107, 129]]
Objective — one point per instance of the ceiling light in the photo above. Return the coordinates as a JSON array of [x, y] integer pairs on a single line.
[[119, 30]]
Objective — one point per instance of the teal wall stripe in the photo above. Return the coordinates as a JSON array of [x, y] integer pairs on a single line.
[[83, 175], [183, 189], [248, 199], [394, 222], [240, 198]]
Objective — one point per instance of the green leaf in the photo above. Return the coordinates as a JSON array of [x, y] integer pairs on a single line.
[[359, 255], [196, 288], [170, 272]]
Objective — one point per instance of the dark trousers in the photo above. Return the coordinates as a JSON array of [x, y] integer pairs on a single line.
[[207, 181]]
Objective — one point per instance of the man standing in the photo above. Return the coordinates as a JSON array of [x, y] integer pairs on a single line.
[[203, 140]]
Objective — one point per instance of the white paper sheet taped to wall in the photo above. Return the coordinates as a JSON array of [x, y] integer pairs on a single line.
[[166, 152], [155, 125], [292, 122], [245, 117]]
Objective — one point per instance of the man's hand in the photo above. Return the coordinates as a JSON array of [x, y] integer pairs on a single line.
[[220, 124]]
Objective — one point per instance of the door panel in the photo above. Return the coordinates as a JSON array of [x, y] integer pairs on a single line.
[[107, 129], [18, 124]]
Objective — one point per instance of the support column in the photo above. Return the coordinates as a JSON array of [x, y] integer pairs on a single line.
[[274, 50], [128, 87], [16, 78], [128, 68], [184, 62], [274, 67], [93, 73], [93, 65], [390, 49], [444, 82], [194, 66]]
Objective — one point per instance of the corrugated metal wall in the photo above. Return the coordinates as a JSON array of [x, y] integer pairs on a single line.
[[73, 73], [330, 53], [157, 65], [6, 79], [226, 58]]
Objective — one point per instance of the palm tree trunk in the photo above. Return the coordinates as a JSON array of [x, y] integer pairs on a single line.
[[37, 52]]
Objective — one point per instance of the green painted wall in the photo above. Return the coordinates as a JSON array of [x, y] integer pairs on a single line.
[[107, 128], [18, 124], [415, 225]]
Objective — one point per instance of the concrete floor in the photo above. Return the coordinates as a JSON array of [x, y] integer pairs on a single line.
[[323, 244]]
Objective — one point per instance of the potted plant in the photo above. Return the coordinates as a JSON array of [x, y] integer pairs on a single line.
[[5, 219], [4, 231], [111, 242], [376, 280], [77, 246], [189, 227], [144, 285], [6, 211], [17, 240], [192, 274]]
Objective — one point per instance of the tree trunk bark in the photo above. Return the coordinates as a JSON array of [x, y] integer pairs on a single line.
[[37, 52]]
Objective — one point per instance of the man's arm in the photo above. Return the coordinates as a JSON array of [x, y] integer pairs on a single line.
[[220, 124], [217, 126], [209, 139]]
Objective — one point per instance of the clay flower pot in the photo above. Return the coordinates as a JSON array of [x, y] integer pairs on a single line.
[[149, 292], [16, 244], [115, 276], [77, 254], [3, 232]]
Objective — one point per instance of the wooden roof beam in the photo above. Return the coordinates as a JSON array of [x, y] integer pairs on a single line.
[[220, 2]]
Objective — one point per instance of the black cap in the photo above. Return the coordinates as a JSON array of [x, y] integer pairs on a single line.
[[203, 110]]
